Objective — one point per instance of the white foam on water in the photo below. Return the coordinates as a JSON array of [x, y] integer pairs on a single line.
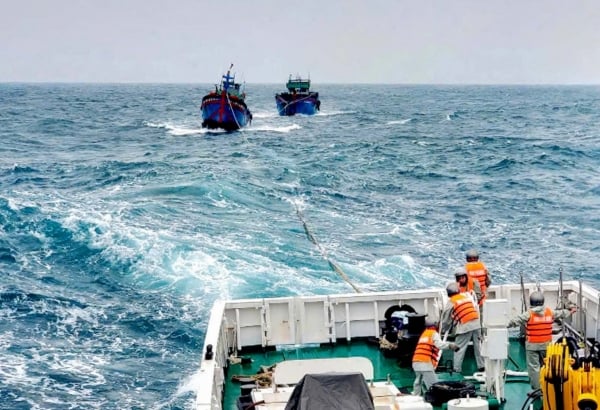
[[451, 115], [298, 202], [330, 113], [394, 122], [159, 256], [282, 129], [182, 131], [178, 130], [13, 368], [212, 276]]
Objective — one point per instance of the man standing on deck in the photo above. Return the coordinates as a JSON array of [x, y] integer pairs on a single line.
[[461, 314], [478, 271], [469, 285], [426, 357], [538, 332]]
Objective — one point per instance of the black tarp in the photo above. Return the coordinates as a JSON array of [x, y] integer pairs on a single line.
[[327, 391]]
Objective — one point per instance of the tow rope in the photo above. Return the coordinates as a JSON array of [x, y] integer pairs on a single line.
[[334, 266], [294, 102], [233, 112]]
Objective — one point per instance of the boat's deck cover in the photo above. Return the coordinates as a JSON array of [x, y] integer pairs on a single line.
[[383, 368], [292, 371]]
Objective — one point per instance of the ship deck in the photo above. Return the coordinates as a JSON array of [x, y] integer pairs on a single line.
[[516, 388]]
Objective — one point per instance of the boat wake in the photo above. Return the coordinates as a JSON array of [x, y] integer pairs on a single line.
[[181, 130], [394, 122], [331, 113], [283, 129]]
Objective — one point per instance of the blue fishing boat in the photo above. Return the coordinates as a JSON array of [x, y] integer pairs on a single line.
[[225, 107], [298, 99]]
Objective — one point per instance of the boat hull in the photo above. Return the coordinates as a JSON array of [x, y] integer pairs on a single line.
[[224, 111], [298, 103], [308, 323]]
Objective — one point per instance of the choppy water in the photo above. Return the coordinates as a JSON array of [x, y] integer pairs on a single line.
[[121, 220]]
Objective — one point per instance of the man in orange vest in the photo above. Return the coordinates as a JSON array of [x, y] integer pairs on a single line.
[[538, 332], [462, 315], [427, 355], [469, 285], [478, 271]]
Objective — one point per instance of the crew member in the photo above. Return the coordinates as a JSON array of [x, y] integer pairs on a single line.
[[538, 332], [427, 355], [469, 285], [478, 271], [461, 314]]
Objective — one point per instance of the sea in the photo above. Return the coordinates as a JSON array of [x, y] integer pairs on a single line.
[[122, 220]]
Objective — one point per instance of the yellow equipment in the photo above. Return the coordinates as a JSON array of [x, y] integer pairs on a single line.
[[565, 387]]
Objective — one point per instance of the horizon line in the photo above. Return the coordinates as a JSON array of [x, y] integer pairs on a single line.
[[278, 83]]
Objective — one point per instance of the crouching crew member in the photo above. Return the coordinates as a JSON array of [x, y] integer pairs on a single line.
[[427, 355]]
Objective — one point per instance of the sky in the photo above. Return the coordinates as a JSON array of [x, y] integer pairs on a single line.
[[332, 41]]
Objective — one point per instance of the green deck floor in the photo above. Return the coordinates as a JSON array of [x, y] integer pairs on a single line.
[[515, 390]]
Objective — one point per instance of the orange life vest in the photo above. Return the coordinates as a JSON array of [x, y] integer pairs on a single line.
[[539, 328], [464, 309], [477, 270], [470, 287], [426, 350]]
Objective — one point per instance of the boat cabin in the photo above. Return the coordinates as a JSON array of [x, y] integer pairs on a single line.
[[298, 85]]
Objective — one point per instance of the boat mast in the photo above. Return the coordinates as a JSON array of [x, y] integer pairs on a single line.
[[228, 79]]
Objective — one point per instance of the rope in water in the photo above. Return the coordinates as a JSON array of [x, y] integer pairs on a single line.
[[334, 266]]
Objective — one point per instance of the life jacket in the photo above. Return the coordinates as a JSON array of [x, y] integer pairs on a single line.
[[426, 351], [464, 309], [477, 270], [470, 287], [539, 328]]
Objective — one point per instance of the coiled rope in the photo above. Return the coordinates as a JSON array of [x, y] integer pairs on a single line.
[[334, 266]]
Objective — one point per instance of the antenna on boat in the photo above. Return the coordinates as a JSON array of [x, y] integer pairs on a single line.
[[227, 79], [582, 319], [561, 301], [522, 329], [523, 300]]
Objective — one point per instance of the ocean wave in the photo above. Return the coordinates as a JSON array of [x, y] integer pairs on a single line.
[[117, 232]]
